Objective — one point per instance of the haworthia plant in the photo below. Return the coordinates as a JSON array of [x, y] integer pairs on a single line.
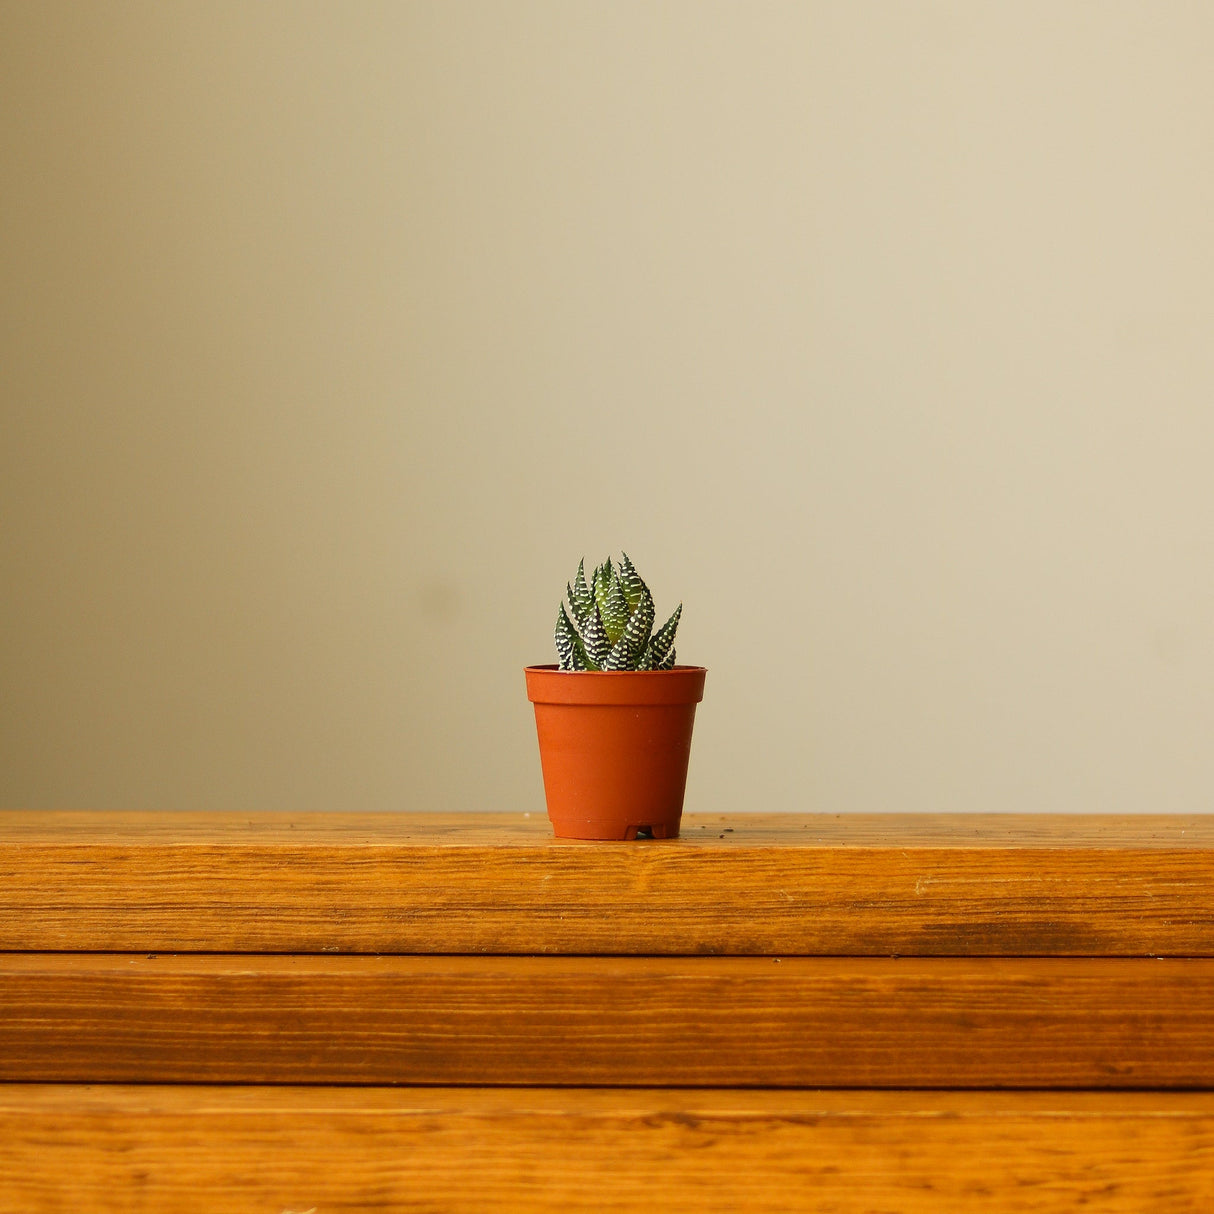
[[607, 623]]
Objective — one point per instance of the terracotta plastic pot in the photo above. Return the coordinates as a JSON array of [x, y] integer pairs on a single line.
[[614, 747]]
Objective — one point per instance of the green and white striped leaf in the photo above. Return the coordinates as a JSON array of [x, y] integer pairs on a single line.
[[632, 641], [635, 637], [607, 622], [662, 644], [566, 638], [614, 609], [601, 583], [575, 616], [594, 640], [620, 657], [579, 656], [634, 588], [579, 594]]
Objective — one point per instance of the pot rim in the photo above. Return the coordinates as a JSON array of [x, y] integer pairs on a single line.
[[552, 668], [546, 684]]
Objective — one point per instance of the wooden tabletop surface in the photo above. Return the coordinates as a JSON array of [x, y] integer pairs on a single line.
[[758, 884], [784, 830], [308, 1150], [767, 953], [910, 1022]]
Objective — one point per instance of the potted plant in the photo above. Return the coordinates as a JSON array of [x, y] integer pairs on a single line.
[[614, 715]]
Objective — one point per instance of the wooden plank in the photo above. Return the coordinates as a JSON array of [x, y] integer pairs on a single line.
[[830, 1022], [336, 1150], [882, 830], [932, 885]]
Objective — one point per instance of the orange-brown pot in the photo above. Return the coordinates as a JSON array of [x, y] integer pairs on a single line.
[[614, 747]]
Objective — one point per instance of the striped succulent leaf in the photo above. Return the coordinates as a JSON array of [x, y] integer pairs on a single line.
[[565, 636], [619, 658], [607, 623], [594, 640], [569, 648], [659, 653], [579, 596], [600, 583], [614, 610], [634, 588], [628, 649]]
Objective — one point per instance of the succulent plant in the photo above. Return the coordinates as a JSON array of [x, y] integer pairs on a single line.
[[607, 623]]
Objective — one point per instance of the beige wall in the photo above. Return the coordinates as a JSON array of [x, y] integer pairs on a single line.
[[879, 333]]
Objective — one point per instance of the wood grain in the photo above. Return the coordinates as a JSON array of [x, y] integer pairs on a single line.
[[749, 884], [336, 1151], [830, 1022]]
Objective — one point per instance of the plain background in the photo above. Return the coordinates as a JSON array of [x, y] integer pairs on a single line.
[[879, 334]]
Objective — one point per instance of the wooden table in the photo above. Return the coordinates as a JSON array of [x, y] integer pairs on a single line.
[[331, 1012]]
